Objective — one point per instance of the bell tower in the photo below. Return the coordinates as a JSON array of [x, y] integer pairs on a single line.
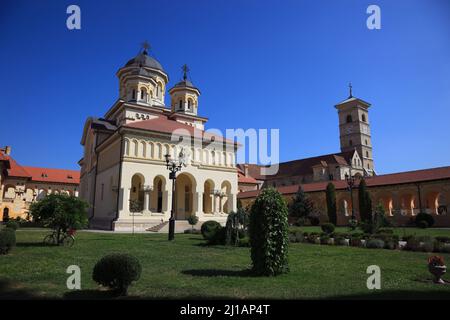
[[354, 129], [184, 95]]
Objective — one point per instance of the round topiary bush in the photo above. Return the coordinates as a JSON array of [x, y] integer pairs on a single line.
[[268, 231], [192, 220], [375, 244], [209, 229], [117, 271], [328, 228], [12, 225], [424, 217], [7, 240]]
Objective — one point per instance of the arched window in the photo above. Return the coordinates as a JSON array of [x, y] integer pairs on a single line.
[[367, 154], [350, 143], [180, 105], [189, 105], [133, 95], [349, 118], [142, 94], [363, 117], [366, 143]]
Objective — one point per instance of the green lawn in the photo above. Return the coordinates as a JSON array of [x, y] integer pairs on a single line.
[[186, 268]]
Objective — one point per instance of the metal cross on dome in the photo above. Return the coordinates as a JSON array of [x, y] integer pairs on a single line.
[[185, 69], [145, 45]]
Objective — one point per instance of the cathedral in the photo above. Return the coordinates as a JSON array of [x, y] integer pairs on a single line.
[[354, 159], [124, 171]]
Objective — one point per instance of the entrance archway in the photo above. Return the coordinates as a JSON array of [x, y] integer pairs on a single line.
[[208, 190], [226, 200], [184, 201], [158, 195], [137, 192]]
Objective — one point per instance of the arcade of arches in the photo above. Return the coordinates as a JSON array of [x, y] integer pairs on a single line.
[[155, 197]]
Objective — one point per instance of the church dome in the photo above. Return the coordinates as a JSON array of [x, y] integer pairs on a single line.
[[144, 60], [185, 83]]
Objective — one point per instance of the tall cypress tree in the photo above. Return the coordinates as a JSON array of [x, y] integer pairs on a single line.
[[365, 203], [331, 203], [301, 206]]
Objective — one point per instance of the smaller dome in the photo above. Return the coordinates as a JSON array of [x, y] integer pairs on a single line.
[[185, 83], [144, 60]]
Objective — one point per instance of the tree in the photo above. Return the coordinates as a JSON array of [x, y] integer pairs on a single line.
[[236, 226], [193, 220], [331, 203], [365, 203], [302, 206], [268, 230], [60, 212]]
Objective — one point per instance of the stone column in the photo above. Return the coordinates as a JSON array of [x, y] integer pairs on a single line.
[[146, 201], [198, 201]]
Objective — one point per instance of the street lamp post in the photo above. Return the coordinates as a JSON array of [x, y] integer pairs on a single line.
[[351, 183], [174, 166]]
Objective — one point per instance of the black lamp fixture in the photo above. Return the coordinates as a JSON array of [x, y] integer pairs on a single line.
[[174, 166]]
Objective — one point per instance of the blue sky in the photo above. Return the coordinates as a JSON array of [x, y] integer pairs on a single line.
[[259, 64]]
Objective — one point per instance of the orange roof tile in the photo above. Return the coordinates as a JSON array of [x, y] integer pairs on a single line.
[[54, 175], [163, 124]]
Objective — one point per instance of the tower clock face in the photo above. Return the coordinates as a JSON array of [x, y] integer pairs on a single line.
[[349, 129]]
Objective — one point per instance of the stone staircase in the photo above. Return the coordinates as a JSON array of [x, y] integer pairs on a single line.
[[180, 226], [158, 227]]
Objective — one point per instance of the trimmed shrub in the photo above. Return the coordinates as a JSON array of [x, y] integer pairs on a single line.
[[269, 233], [328, 228], [117, 272], [11, 224], [7, 240], [355, 242], [422, 224], [424, 217], [375, 244], [209, 229], [292, 238], [340, 241], [324, 239], [391, 244], [412, 244], [219, 238], [192, 220], [443, 239], [299, 236], [427, 246]]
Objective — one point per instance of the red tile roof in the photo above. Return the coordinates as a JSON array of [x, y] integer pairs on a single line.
[[54, 175], [381, 180], [163, 124], [15, 170], [243, 179]]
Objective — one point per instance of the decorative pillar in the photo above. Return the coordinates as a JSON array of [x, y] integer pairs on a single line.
[[198, 204], [146, 201]]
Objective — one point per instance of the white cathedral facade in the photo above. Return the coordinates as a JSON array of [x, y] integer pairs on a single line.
[[123, 171]]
